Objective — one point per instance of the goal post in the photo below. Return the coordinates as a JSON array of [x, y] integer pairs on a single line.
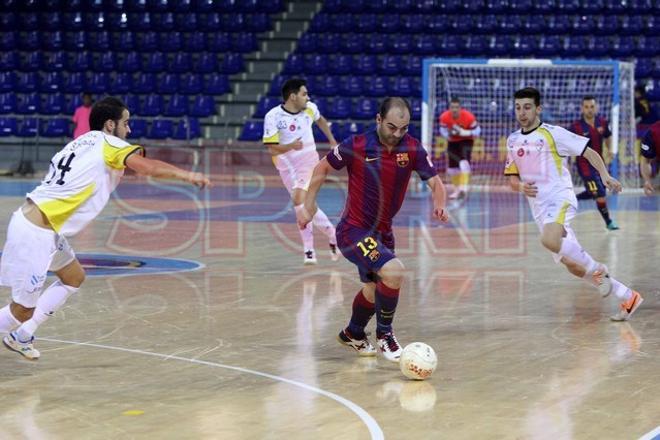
[[486, 86]]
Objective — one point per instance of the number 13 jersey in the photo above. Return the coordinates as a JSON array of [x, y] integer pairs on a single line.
[[80, 180]]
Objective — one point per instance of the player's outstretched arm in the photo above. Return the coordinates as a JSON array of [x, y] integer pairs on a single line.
[[163, 170], [596, 161], [645, 168], [306, 214], [325, 128], [439, 195]]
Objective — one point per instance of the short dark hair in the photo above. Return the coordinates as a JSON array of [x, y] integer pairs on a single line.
[[393, 101], [454, 99], [104, 109], [86, 94], [528, 92], [588, 98], [292, 85]]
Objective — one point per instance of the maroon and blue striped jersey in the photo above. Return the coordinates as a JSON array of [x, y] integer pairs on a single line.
[[597, 134], [378, 179], [650, 145]]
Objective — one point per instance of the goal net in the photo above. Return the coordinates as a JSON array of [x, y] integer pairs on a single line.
[[486, 86]]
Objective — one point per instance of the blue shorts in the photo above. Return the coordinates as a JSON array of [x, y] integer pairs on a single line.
[[368, 249], [592, 182]]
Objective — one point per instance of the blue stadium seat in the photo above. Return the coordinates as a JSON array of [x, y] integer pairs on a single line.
[[168, 83], [121, 83], [203, 106], [161, 129], [29, 21], [8, 103], [163, 22], [340, 108], [520, 6], [29, 127], [321, 23], [190, 84], [244, 42], [147, 42], [177, 106], [341, 64], [55, 62], [232, 63], [374, 44], [643, 67], [352, 44], [583, 24], [265, 104], [30, 41], [234, 22], [219, 42], [390, 65], [9, 61], [95, 21], [484, 24], [557, 24], [353, 128], [171, 41], [351, 86], [342, 23], [640, 49], [622, 46], [206, 63], [294, 64], [401, 86], [156, 62], [187, 128], [321, 103], [211, 22], [476, 45], [98, 83], [97, 41], [568, 6], [366, 23], [500, 45], [388, 23], [195, 42], [32, 62], [416, 107], [325, 85], [328, 44], [631, 24], [7, 81], [593, 7], [458, 23], [186, 22], [58, 127], [130, 62], [424, 44], [412, 23], [132, 102], [448, 45], [259, 22], [400, 44], [152, 105], [319, 136], [8, 21], [73, 21], [27, 82], [275, 88], [497, 6], [316, 64], [74, 82], [549, 45], [651, 25], [217, 84], [180, 63], [136, 5], [51, 82], [615, 7], [365, 109], [656, 66], [252, 131], [125, 41], [144, 83], [105, 63], [307, 43], [412, 65], [8, 126]]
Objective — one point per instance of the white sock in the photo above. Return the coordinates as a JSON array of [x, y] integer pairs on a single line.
[[621, 290], [7, 320], [49, 302], [322, 222], [572, 249], [306, 234]]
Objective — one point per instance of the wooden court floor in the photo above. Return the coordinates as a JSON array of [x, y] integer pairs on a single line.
[[244, 346]]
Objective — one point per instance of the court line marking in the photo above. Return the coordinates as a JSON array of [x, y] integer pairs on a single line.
[[371, 424], [653, 435]]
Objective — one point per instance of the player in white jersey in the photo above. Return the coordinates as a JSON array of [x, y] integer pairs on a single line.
[[289, 138], [536, 166], [76, 189]]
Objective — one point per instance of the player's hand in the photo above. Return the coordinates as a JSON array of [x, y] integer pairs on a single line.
[[303, 217], [464, 132], [529, 189], [648, 188], [296, 145], [199, 180], [439, 213], [613, 185]]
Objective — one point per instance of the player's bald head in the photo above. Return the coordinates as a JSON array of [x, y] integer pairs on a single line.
[[395, 106]]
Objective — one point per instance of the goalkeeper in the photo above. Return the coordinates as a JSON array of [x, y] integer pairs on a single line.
[[459, 127]]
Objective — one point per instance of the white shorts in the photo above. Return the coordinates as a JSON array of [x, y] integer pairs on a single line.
[[29, 253], [297, 173], [556, 212]]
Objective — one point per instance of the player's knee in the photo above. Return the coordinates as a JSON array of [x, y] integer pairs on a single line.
[[74, 278], [392, 273], [551, 242], [20, 312]]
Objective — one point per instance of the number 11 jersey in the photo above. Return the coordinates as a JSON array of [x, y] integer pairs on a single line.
[[80, 180]]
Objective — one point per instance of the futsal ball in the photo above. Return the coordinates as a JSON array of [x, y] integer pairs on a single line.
[[418, 361]]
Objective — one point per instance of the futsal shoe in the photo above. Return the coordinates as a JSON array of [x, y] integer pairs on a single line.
[[334, 252], [612, 226], [628, 307], [362, 346], [24, 348], [602, 281], [389, 347], [310, 258]]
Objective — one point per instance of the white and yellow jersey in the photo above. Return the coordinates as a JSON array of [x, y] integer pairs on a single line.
[[284, 127], [540, 156], [80, 180]]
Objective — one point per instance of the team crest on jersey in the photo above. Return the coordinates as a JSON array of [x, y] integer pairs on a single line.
[[402, 159], [539, 145], [520, 152], [281, 125], [374, 255]]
